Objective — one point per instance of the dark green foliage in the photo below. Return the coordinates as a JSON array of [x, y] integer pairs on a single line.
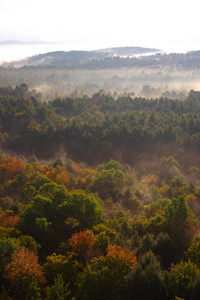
[[146, 244], [110, 129], [61, 265], [7, 247], [6, 203], [165, 249], [40, 181], [59, 212], [27, 195], [28, 242], [193, 252], [97, 281], [103, 279], [184, 280], [181, 223], [58, 162], [147, 280], [133, 204], [85, 209], [109, 183], [58, 291]]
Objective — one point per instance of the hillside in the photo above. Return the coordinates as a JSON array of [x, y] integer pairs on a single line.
[[119, 57], [78, 73], [129, 50], [74, 59], [99, 198]]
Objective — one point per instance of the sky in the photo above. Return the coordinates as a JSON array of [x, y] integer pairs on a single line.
[[96, 24]]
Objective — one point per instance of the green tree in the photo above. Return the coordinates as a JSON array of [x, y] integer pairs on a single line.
[[168, 168], [147, 280], [53, 220], [7, 247], [165, 249], [85, 209], [104, 277], [181, 222], [109, 184], [182, 278], [193, 253], [58, 291], [61, 265]]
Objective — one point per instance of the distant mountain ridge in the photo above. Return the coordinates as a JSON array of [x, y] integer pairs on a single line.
[[17, 42], [79, 58], [128, 50], [118, 57]]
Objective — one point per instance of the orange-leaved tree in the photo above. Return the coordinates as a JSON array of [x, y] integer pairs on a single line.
[[85, 244], [59, 175], [23, 273], [9, 219], [121, 255], [10, 167]]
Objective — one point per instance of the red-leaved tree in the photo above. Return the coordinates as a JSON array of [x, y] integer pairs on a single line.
[[85, 245], [9, 219], [24, 273]]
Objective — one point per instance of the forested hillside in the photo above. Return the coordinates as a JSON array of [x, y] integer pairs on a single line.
[[118, 71], [99, 197], [80, 59], [99, 128]]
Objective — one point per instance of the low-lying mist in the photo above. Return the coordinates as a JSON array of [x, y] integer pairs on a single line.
[[150, 83]]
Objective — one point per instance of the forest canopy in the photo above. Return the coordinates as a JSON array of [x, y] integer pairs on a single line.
[[98, 128], [99, 197]]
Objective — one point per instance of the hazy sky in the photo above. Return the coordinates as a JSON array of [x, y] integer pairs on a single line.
[[151, 23]]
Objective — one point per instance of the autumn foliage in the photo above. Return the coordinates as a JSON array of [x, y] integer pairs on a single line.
[[11, 166], [119, 254], [84, 243], [60, 176], [150, 179], [24, 268], [8, 219]]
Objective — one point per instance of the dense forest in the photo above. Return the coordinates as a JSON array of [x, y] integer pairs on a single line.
[[99, 197], [99, 128]]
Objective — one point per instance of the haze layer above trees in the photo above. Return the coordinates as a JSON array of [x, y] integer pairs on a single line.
[[115, 70]]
